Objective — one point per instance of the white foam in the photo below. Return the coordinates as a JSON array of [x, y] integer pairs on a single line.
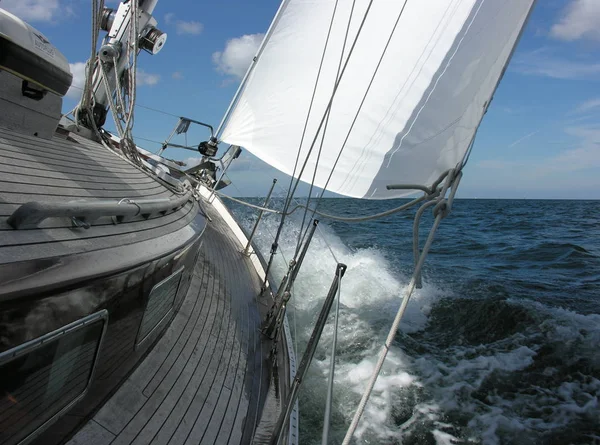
[[371, 294], [429, 387]]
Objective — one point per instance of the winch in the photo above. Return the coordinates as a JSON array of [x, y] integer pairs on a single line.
[[34, 77]]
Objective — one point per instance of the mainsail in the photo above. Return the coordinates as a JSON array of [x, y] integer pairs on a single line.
[[373, 92]]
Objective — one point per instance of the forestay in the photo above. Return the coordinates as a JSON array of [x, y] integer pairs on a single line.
[[415, 80]]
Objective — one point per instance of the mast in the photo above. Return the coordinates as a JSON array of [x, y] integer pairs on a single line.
[[118, 24]]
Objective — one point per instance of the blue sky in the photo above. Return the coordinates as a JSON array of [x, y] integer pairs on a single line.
[[539, 139]]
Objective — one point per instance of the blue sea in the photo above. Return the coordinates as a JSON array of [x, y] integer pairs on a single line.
[[500, 346]]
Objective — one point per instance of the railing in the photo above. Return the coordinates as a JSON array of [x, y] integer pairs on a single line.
[[81, 212], [439, 198]]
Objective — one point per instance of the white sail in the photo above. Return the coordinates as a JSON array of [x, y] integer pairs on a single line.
[[414, 89]]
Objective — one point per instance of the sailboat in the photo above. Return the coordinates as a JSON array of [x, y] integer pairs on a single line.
[[133, 306]]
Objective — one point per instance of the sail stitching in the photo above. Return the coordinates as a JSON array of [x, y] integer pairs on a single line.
[[460, 117], [467, 153], [436, 83]]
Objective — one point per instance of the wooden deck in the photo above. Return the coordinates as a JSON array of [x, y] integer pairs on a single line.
[[207, 378], [62, 170]]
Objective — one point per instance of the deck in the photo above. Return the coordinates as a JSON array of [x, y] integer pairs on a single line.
[[68, 169], [207, 378]]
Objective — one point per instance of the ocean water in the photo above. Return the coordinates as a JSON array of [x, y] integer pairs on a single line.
[[500, 346]]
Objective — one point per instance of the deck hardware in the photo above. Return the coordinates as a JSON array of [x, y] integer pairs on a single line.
[[32, 213], [233, 152], [276, 314], [79, 223]]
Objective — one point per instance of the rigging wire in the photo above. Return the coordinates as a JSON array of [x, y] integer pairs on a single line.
[[290, 193], [138, 105], [298, 205], [166, 113], [351, 219], [312, 99], [295, 335], [360, 106], [293, 191], [336, 85], [312, 183], [329, 401]]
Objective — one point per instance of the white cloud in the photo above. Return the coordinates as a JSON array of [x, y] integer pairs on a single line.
[[182, 26], [191, 27], [169, 18], [542, 62], [177, 75], [588, 105], [588, 133], [585, 156], [581, 20], [235, 59], [144, 78], [78, 71], [33, 10]]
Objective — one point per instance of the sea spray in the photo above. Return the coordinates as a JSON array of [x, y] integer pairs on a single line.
[[500, 345]]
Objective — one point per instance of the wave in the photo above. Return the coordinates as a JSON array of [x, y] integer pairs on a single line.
[[473, 363]]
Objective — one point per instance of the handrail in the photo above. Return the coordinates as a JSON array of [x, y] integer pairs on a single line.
[[307, 357], [35, 212]]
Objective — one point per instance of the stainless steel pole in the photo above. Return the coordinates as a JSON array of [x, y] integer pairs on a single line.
[[275, 316], [309, 353], [260, 215]]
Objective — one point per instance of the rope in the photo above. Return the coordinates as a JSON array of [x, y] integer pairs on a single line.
[[391, 334], [329, 401], [86, 95], [97, 8], [440, 211], [353, 219], [123, 115]]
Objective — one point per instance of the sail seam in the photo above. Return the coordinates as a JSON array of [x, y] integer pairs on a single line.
[[435, 84], [366, 150], [362, 102], [467, 154]]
